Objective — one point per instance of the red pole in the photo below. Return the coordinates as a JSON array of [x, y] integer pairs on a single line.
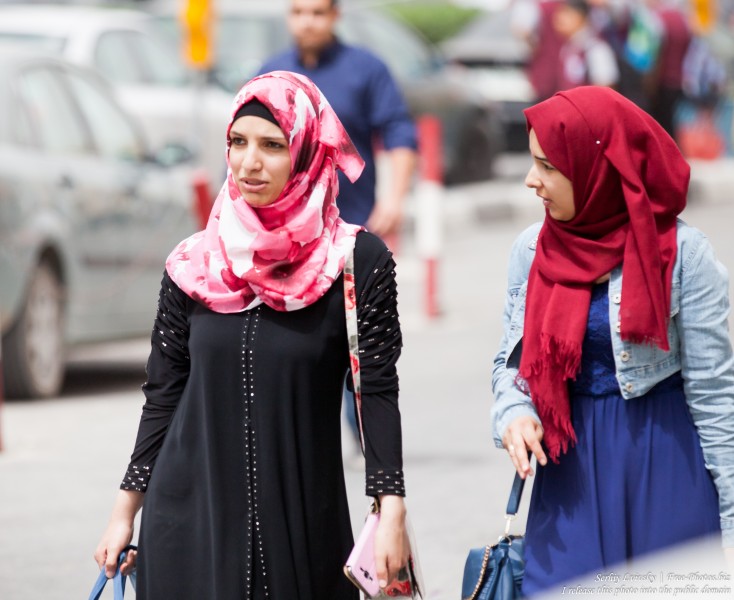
[[203, 200], [430, 196], [432, 309], [430, 148], [2, 397]]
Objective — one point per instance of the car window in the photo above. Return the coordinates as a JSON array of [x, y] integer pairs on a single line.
[[256, 37], [21, 130], [18, 128], [52, 44], [57, 126], [243, 44], [161, 65], [134, 57], [407, 56], [115, 57], [112, 132]]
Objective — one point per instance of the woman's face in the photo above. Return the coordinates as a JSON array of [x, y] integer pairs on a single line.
[[550, 184], [259, 158]]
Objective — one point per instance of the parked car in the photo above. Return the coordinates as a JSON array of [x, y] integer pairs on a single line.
[[249, 32], [88, 214], [496, 60], [148, 75]]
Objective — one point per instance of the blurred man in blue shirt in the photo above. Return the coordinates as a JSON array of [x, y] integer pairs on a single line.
[[364, 95], [368, 102]]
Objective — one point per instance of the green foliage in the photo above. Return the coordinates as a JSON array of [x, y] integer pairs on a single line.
[[435, 20]]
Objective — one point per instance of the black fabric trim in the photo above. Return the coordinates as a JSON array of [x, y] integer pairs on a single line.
[[255, 108]]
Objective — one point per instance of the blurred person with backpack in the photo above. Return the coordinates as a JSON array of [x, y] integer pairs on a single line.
[[584, 58], [532, 22], [566, 49]]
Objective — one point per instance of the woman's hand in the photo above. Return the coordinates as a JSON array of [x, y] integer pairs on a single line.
[[392, 548], [523, 434], [386, 218], [119, 533]]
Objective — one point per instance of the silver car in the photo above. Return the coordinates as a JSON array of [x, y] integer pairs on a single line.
[[146, 73], [87, 218]]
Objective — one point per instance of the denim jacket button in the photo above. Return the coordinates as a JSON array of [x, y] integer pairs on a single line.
[[624, 356], [617, 298], [618, 327], [629, 387]]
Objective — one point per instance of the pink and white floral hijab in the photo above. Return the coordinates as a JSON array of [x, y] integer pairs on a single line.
[[287, 254]]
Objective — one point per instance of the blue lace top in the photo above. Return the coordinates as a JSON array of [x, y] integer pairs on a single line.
[[597, 376]]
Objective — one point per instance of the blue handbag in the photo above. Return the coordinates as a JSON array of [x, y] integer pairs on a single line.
[[496, 572], [118, 580]]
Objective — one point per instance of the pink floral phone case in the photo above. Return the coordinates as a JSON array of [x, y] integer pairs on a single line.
[[360, 566]]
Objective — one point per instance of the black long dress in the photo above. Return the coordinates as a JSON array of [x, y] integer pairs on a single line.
[[239, 450]]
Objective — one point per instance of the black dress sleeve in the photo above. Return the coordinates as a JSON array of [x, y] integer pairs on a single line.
[[167, 372], [380, 343]]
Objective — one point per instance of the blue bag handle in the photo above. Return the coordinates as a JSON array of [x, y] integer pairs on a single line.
[[118, 580], [513, 504]]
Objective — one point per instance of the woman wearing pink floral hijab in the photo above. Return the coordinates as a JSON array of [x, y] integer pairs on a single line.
[[238, 457]]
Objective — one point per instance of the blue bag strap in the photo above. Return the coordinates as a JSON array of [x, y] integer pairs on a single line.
[[118, 580], [513, 504]]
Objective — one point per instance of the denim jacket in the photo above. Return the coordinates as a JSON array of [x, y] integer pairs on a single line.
[[700, 348]]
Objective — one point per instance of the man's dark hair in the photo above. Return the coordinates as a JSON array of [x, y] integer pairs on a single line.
[[581, 6]]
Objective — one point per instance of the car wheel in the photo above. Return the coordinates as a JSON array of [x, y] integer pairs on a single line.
[[33, 358]]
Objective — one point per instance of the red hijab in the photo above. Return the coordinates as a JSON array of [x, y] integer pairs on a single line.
[[629, 182]]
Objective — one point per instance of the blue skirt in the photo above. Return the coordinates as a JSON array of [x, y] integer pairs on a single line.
[[628, 487]]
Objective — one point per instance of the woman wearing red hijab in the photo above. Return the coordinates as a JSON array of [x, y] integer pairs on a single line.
[[238, 464], [616, 368]]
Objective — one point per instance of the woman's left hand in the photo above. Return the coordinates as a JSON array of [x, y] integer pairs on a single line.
[[392, 548]]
